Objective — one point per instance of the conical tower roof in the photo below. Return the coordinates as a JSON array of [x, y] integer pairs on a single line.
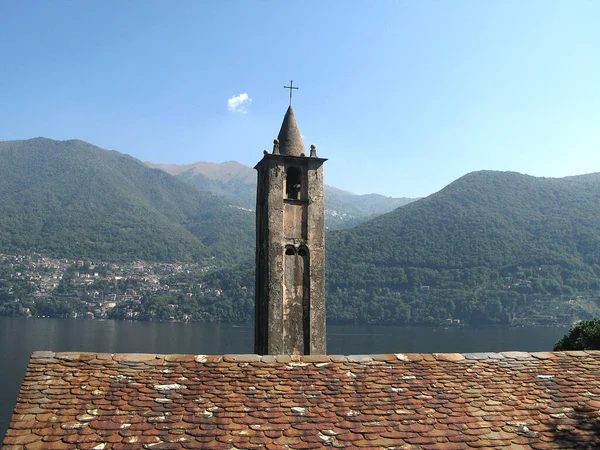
[[290, 139]]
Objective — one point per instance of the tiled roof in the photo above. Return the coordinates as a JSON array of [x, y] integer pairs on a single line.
[[404, 401]]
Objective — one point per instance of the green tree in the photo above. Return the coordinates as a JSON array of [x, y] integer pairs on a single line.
[[583, 336]]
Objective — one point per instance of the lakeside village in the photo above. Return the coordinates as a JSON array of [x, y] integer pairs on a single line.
[[39, 286], [32, 285]]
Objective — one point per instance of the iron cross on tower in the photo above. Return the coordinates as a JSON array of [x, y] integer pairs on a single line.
[[290, 87]]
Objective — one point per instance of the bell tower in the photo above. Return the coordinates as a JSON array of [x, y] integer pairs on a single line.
[[290, 248]]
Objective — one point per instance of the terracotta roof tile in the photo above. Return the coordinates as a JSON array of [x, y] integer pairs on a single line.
[[406, 401]]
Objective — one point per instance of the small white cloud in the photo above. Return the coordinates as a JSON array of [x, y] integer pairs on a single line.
[[238, 103]]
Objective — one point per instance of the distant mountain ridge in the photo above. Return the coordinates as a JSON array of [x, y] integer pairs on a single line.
[[237, 182], [73, 199], [224, 171]]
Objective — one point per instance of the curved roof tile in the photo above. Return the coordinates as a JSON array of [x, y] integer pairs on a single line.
[[416, 401]]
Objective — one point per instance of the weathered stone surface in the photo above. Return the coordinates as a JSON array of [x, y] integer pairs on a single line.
[[449, 356], [360, 358], [134, 357], [180, 358], [290, 248], [241, 358], [517, 355], [543, 355], [316, 358], [268, 359], [475, 355], [384, 357], [200, 359], [42, 354]]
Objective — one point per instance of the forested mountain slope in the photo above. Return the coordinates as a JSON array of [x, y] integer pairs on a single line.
[[490, 219], [473, 251], [237, 183], [72, 199], [491, 247]]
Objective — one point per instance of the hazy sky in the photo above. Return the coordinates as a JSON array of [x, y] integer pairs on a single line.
[[403, 97]]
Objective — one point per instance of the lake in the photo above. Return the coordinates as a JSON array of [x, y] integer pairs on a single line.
[[19, 337]]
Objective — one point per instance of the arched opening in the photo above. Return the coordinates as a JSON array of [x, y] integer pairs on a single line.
[[304, 263], [296, 300], [293, 183]]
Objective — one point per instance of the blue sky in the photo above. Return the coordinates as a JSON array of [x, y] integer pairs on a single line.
[[403, 97]]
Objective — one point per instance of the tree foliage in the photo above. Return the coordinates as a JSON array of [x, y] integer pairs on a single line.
[[584, 336], [72, 199], [490, 248]]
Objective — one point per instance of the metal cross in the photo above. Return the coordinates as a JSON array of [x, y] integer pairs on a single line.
[[290, 87]]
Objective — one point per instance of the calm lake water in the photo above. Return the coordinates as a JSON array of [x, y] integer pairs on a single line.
[[19, 337]]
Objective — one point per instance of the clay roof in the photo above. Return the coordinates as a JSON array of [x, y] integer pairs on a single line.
[[290, 139], [404, 401]]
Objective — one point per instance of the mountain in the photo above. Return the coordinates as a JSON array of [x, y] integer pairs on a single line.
[[484, 249], [490, 248], [345, 209], [237, 183], [73, 199], [231, 180]]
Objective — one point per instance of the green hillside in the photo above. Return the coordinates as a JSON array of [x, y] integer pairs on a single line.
[[72, 199], [492, 247], [237, 183]]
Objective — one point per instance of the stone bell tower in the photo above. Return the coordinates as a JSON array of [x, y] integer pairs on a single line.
[[290, 248]]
